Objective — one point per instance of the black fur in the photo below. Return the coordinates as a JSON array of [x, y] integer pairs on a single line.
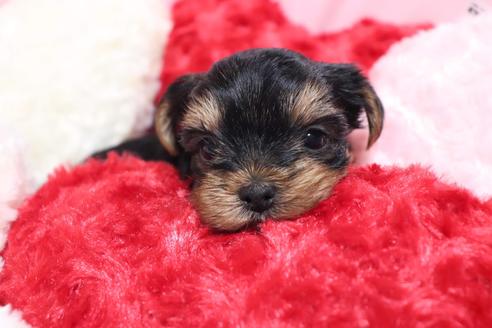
[[253, 87], [147, 147]]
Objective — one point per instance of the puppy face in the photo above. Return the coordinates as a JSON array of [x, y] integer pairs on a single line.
[[263, 133]]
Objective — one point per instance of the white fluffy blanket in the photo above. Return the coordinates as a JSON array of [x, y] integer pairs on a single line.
[[76, 76]]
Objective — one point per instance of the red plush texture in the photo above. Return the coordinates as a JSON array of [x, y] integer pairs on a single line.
[[117, 244], [208, 30]]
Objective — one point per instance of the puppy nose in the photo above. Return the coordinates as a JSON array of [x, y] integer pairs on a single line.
[[258, 196]]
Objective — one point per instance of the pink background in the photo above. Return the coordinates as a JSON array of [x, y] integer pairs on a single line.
[[332, 15]]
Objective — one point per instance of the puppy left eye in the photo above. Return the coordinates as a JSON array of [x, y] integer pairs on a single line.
[[315, 139]]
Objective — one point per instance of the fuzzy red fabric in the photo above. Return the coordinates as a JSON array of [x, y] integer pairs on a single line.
[[117, 244], [208, 30]]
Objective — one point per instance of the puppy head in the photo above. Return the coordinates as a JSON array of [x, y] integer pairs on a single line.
[[263, 133]]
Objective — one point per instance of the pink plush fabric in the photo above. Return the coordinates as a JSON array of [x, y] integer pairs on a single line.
[[334, 15], [437, 90], [13, 179]]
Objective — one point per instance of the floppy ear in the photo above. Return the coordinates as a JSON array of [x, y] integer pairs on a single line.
[[171, 109], [352, 92]]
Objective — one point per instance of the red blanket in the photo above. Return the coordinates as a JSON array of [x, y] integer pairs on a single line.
[[117, 244]]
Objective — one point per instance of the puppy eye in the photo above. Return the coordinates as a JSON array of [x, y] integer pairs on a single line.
[[207, 151], [315, 139]]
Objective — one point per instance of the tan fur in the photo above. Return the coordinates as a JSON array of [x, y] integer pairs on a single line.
[[375, 114], [300, 187], [163, 128], [311, 183], [203, 112], [309, 103], [217, 201]]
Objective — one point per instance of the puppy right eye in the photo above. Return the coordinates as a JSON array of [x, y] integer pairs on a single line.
[[207, 151]]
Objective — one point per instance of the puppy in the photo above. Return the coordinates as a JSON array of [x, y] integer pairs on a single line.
[[263, 134]]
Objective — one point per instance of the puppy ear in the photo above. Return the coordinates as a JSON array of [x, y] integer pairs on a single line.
[[171, 109], [352, 91]]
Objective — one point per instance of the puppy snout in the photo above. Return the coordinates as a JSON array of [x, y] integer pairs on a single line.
[[258, 196]]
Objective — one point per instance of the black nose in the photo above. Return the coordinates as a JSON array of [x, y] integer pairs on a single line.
[[258, 196]]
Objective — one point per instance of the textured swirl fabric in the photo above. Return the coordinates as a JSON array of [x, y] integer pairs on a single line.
[[117, 244]]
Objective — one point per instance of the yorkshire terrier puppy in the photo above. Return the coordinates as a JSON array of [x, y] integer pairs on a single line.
[[263, 134]]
